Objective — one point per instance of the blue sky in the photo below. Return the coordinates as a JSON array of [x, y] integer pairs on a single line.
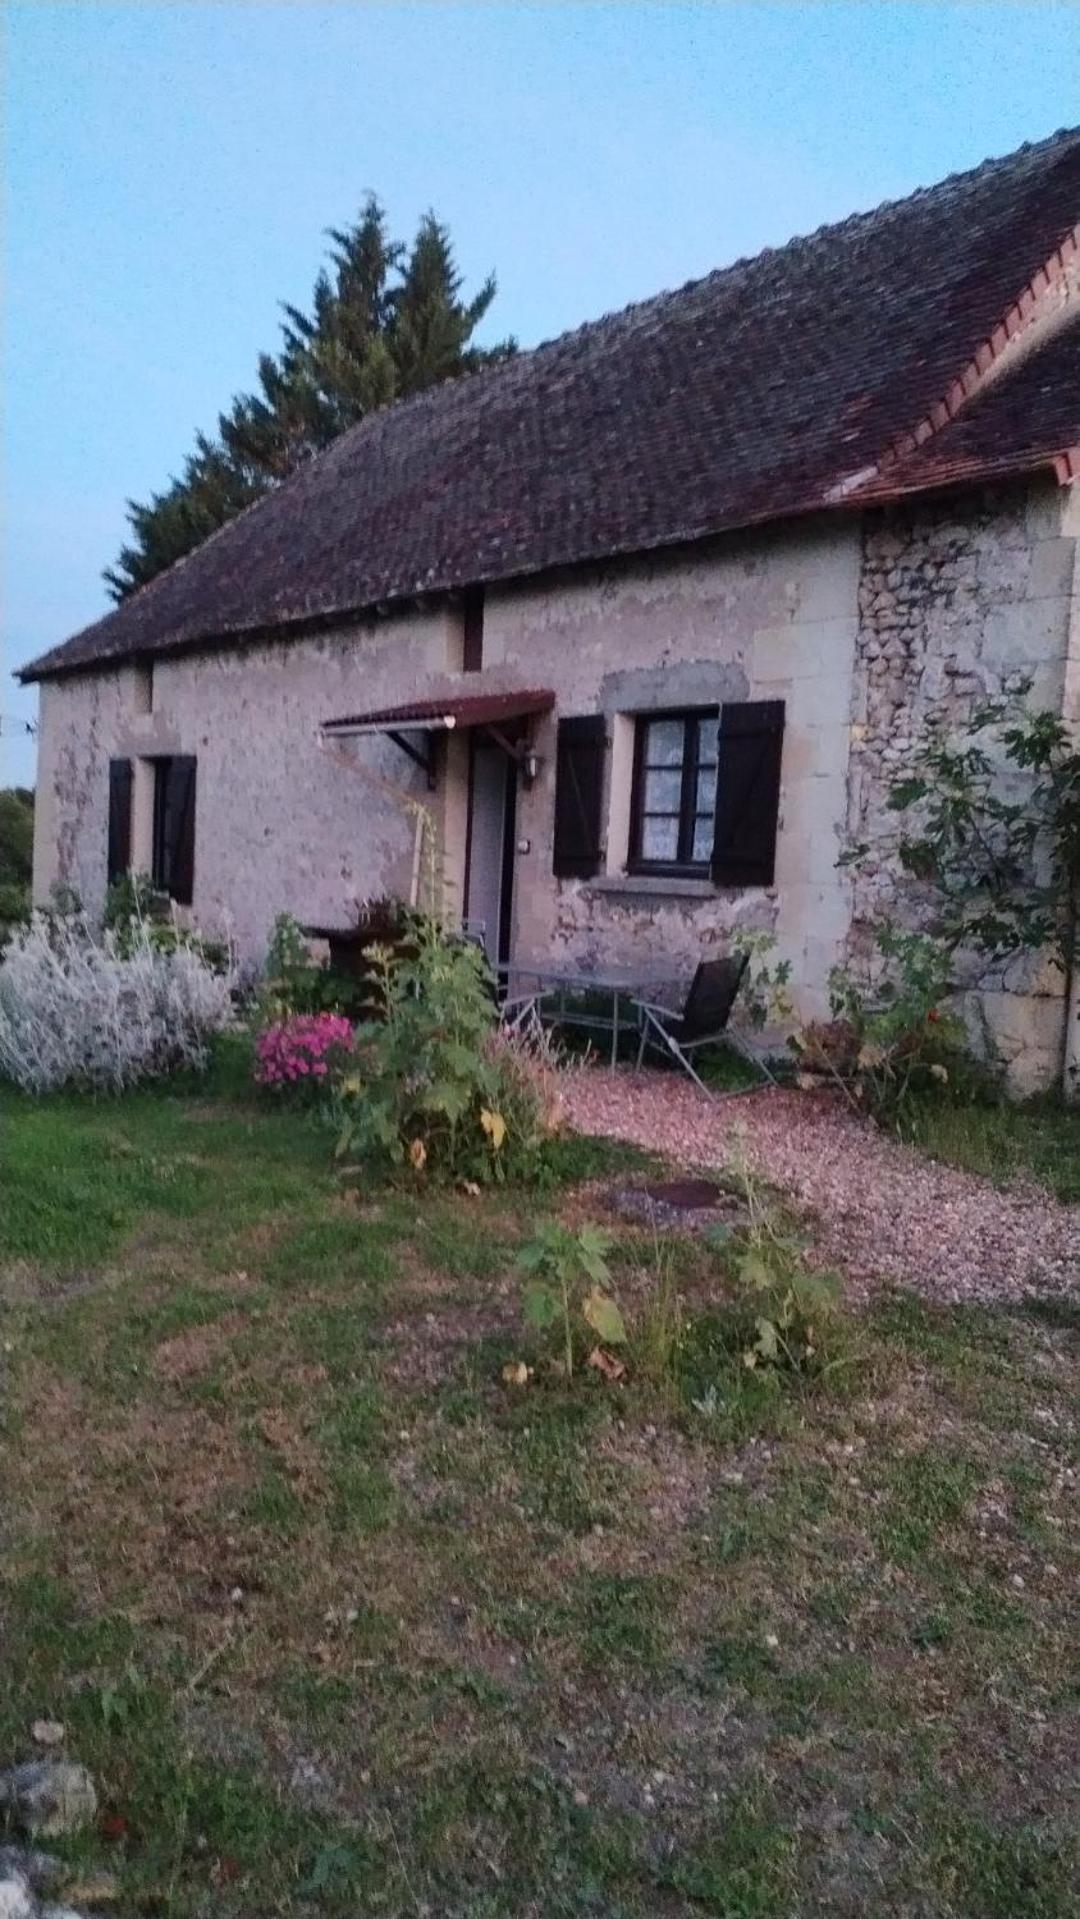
[[170, 170]]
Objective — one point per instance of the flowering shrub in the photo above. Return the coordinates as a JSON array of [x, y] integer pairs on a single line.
[[78, 1008], [303, 1052]]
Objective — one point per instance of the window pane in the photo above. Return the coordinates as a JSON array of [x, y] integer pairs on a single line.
[[704, 828], [706, 789], [664, 743], [659, 839], [708, 740], [663, 792]]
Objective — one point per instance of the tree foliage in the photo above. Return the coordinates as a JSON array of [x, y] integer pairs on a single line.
[[991, 832], [998, 832], [386, 321], [16, 855]]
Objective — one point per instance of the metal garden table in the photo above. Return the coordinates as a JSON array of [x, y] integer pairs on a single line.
[[553, 990]]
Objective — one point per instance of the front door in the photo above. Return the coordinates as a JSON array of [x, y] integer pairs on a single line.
[[489, 872]]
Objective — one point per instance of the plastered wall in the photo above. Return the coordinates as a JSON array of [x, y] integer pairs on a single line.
[[280, 824]]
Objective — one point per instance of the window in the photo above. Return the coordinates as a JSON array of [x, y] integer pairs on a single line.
[[144, 687], [173, 869], [674, 794], [706, 797]]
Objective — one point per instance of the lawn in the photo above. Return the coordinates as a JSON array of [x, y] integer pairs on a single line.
[[343, 1623], [1038, 1143]]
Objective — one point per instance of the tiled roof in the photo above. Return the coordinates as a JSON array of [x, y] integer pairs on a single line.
[[1009, 426], [751, 395]]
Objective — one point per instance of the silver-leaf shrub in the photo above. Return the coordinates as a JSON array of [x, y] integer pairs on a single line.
[[80, 1008]]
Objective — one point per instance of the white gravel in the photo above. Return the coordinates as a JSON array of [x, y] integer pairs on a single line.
[[878, 1211]]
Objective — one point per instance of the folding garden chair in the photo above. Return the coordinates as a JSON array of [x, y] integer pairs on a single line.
[[703, 1020], [521, 1016]]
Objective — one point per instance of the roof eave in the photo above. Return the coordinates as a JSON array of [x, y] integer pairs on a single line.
[[864, 491]]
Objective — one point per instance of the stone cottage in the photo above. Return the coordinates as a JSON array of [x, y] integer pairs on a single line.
[[647, 617]]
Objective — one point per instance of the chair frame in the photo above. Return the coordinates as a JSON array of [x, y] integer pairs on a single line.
[[521, 1017], [655, 1033]]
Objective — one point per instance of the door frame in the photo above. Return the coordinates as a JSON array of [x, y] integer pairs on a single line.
[[509, 842]]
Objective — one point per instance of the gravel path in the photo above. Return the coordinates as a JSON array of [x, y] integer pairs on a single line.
[[879, 1210]]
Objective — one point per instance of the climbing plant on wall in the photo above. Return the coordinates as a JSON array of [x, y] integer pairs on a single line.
[[993, 827]]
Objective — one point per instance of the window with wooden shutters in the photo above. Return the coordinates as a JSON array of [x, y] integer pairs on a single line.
[[673, 808], [174, 827], [119, 858], [748, 793], [579, 796]]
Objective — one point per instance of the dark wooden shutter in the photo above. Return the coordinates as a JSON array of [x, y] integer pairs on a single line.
[[748, 793], [579, 795], [120, 775], [174, 828]]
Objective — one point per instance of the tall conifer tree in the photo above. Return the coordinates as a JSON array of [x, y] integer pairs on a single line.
[[386, 321]]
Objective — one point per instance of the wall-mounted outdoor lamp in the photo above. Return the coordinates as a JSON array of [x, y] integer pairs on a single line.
[[531, 762]]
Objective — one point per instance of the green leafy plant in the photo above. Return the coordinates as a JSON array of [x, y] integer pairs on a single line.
[[568, 1286], [136, 909], [792, 1303], [764, 996], [991, 834], [433, 1086], [997, 819], [134, 897], [892, 1036], [295, 983]]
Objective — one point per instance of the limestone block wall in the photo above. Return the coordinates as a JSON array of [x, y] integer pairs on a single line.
[[959, 601], [772, 616], [867, 628], [280, 825]]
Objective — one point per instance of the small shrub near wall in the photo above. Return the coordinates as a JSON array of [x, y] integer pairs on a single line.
[[295, 982], [896, 1038], [86, 1009]]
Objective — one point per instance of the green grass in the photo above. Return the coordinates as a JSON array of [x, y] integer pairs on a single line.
[[342, 1623], [1037, 1143]]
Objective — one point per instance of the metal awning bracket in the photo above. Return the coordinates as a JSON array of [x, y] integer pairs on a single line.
[[422, 757], [514, 749]]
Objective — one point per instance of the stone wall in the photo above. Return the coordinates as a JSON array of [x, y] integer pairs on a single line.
[[769, 616], [280, 824], [868, 629], [959, 601]]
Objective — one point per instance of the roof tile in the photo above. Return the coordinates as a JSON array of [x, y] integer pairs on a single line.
[[755, 393]]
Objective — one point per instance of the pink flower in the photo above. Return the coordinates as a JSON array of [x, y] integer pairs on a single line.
[[305, 1047]]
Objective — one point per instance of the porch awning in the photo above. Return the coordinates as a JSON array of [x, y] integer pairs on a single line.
[[443, 715]]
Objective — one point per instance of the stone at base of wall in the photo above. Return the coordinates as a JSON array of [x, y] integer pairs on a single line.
[[1025, 1031]]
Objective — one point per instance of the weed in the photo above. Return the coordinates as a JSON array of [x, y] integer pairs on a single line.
[[744, 1870], [568, 1286], [621, 1620]]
